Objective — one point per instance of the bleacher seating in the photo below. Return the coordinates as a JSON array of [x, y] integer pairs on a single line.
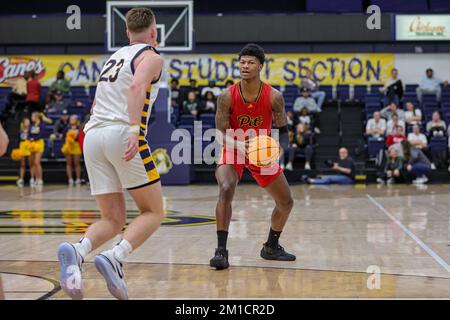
[[343, 92], [328, 89], [359, 92]]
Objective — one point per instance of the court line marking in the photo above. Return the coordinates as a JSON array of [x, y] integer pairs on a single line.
[[422, 244]]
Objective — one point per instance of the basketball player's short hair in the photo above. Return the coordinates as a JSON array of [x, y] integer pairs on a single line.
[[139, 19], [253, 50]]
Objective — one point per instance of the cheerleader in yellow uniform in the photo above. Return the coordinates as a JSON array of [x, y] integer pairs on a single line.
[[24, 147], [37, 144], [72, 150]]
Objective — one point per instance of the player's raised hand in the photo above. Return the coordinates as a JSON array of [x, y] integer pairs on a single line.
[[133, 146]]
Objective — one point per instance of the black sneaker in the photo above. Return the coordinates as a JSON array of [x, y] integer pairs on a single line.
[[276, 253], [220, 259]]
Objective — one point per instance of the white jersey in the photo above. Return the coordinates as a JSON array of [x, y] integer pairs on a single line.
[[111, 97]]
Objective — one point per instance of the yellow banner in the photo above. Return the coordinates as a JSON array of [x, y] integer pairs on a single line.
[[282, 69], [79, 69], [279, 69]]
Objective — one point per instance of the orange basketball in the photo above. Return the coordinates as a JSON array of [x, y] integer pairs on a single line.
[[263, 151]]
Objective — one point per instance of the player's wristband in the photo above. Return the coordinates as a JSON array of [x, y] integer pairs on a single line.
[[135, 128]]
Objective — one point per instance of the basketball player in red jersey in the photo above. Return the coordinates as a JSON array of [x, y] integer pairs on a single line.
[[250, 104]]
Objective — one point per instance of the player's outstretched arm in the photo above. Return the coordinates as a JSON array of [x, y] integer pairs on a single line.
[[279, 117], [148, 68], [223, 121], [3, 141]]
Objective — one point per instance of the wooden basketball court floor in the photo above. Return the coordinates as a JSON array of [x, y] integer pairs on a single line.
[[339, 234]]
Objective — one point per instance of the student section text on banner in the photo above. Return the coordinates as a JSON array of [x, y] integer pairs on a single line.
[[283, 69], [279, 69]]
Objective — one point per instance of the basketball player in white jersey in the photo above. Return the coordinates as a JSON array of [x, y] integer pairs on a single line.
[[117, 157], [3, 146]]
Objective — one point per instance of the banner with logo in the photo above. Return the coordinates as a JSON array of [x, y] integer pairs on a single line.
[[279, 69], [80, 69], [435, 27]]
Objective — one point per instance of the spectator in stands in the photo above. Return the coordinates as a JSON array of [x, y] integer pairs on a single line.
[[304, 141], [211, 87], [412, 115], [299, 140], [394, 122], [417, 139], [193, 87], [430, 85], [59, 103], [34, 90], [418, 164], [313, 87], [396, 136], [393, 170], [344, 167], [36, 136], [304, 118], [306, 101], [24, 131], [175, 92], [436, 127], [191, 105], [376, 127], [59, 131], [209, 105], [19, 91], [290, 152], [60, 84], [390, 110], [73, 153], [292, 120], [228, 83], [393, 87]]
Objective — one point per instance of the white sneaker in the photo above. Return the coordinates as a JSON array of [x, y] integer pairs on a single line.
[[418, 181], [111, 269], [307, 166], [32, 182], [424, 179], [71, 182], [380, 181], [289, 166], [433, 166], [20, 183], [282, 166], [70, 263], [78, 182], [317, 130], [390, 181], [39, 182]]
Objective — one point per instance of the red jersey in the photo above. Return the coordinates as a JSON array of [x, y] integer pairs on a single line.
[[33, 90], [251, 115], [255, 115]]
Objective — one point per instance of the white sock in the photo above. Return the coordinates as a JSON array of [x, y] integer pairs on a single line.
[[84, 246], [122, 250]]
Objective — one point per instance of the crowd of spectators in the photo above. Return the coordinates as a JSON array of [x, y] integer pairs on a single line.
[[46, 121], [407, 132]]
